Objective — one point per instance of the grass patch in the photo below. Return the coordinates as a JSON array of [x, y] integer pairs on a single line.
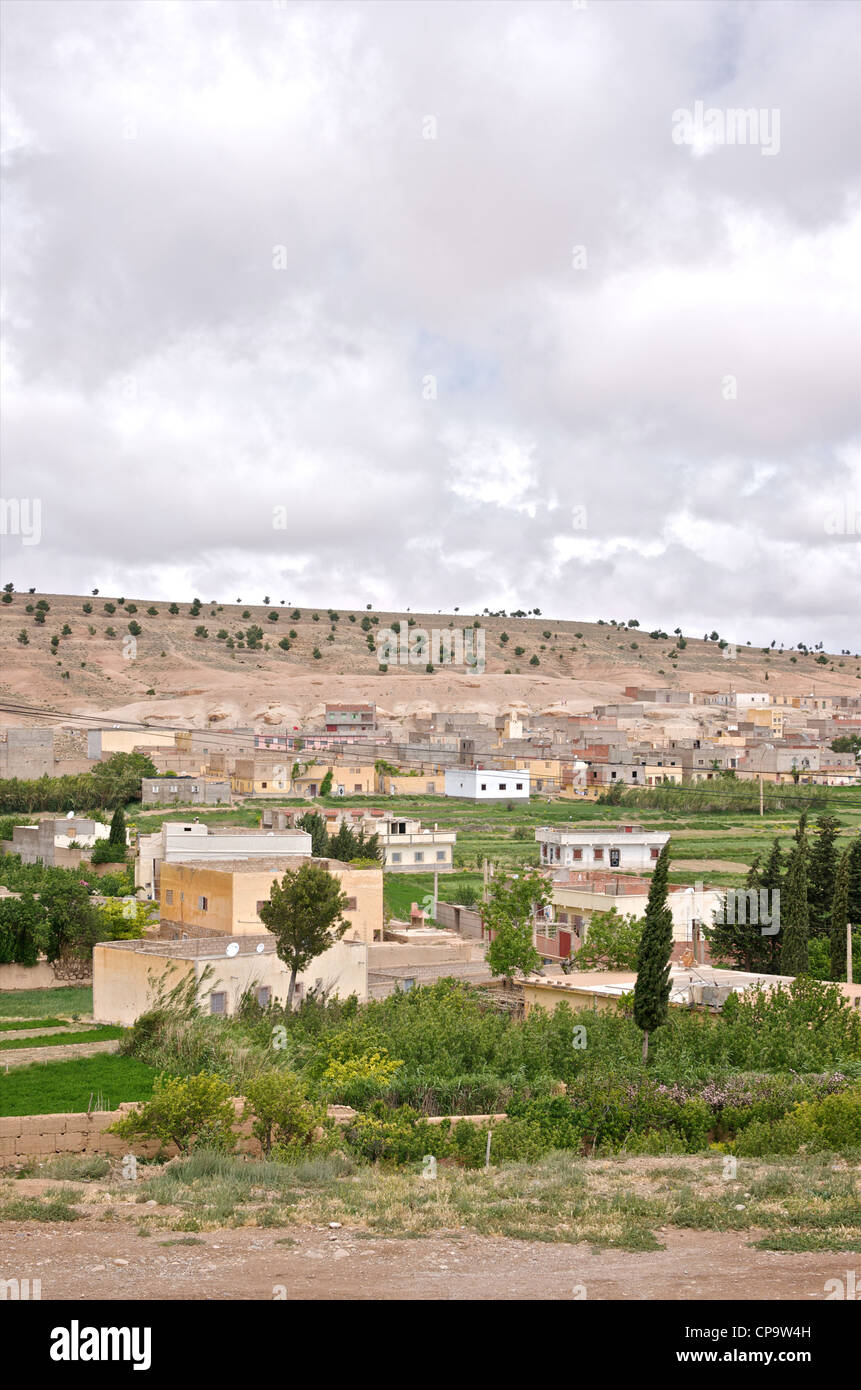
[[62, 1039], [183, 1240], [34, 1209], [76, 1167], [19, 1023], [36, 1003], [809, 1243], [49, 1088]]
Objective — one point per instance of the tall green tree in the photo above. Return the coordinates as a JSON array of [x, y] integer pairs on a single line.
[[652, 989], [118, 828], [305, 915], [839, 918], [855, 882], [771, 879], [315, 825], [821, 873], [509, 916], [794, 912]]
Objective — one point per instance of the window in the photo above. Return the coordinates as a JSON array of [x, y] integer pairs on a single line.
[[203, 903], [357, 787], [168, 897], [409, 984], [440, 854], [396, 856], [503, 786], [351, 904], [614, 859], [598, 854], [484, 786], [654, 853], [264, 996], [260, 904], [420, 856], [577, 854], [519, 786], [264, 785], [218, 1003]]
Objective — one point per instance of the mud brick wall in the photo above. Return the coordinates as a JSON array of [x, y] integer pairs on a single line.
[[44, 1136]]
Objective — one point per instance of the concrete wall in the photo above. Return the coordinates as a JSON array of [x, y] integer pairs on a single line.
[[27, 753], [39, 976], [127, 979], [466, 920]]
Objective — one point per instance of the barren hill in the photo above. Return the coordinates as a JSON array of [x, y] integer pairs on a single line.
[[188, 668]]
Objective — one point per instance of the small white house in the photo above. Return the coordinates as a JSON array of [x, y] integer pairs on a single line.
[[627, 847], [487, 783]]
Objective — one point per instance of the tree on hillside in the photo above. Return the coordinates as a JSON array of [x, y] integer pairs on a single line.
[[509, 917], [839, 918], [305, 914], [652, 988], [795, 913]]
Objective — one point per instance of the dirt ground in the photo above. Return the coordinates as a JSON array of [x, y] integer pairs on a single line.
[[82, 1263]]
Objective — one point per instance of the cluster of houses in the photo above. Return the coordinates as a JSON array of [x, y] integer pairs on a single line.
[[652, 737]]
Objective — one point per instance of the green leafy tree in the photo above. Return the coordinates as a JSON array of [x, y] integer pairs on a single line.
[[72, 923], [612, 942], [281, 1113], [305, 915], [509, 917], [326, 784], [183, 1110], [652, 988]]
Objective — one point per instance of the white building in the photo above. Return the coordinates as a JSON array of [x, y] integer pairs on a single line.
[[627, 847], [752, 700], [178, 841], [487, 783]]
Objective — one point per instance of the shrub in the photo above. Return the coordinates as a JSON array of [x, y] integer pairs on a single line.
[[282, 1113], [185, 1111]]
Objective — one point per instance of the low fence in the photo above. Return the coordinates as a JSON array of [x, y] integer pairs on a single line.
[[46, 1136], [39, 976]]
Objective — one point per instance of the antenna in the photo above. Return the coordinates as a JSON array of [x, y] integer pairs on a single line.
[[232, 949]]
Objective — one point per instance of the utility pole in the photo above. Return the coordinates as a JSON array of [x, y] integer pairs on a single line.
[[435, 891], [760, 793]]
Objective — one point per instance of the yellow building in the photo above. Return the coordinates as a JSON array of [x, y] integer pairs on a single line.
[[223, 897], [425, 782]]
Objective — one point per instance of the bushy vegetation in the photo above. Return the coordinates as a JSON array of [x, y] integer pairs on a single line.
[[571, 1080], [112, 783]]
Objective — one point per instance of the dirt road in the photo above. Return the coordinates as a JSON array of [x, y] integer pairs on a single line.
[[78, 1263]]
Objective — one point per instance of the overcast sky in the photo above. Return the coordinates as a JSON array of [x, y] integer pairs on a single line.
[[432, 304]]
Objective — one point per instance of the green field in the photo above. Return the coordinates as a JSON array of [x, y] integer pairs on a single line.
[[48, 1088], [70, 1001], [62, 1039]]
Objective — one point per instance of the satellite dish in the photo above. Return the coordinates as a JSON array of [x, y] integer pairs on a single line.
[[232, 949], [261, 947], [70, 815]]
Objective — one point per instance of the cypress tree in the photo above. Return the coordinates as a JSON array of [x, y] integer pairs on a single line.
[[652, 989], [118, 828], [795, 914], [772, 880], [839, 918], [821, 874], [855, 882]]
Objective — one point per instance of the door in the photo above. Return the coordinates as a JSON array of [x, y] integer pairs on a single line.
[[565, 944]]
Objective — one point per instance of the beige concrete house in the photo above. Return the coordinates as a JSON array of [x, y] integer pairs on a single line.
[[128, 976], [223, 897]]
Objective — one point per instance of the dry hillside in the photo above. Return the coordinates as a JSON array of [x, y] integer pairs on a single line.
[[175, 675]]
